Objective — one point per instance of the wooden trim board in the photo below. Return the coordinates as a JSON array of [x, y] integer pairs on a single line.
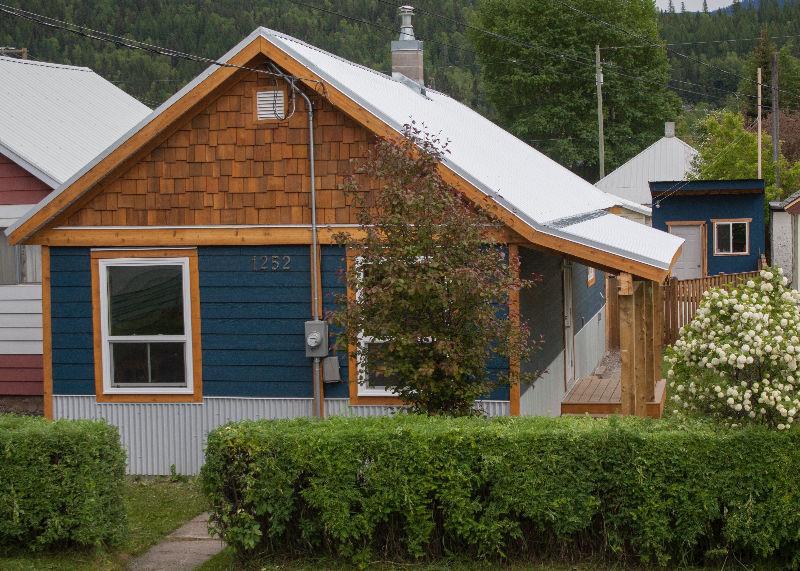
[[47, 335], [194, 304]]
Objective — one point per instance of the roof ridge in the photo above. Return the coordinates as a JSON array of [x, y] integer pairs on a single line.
[[268, 31], [647, 148], [37, 63]]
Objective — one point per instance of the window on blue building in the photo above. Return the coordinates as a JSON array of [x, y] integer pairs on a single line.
[[146, 326], [731, 237]]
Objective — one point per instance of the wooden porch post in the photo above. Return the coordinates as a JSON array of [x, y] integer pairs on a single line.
[[515, 391], [658, 331], [627, 343], [612, 313], [642, 353]]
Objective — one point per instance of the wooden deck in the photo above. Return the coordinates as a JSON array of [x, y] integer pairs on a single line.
[[601, 396]]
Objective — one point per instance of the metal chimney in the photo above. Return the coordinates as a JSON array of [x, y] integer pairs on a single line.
[[407, 50]]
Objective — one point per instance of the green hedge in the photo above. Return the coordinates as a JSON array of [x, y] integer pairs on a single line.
[[61, 483], [411, 487]]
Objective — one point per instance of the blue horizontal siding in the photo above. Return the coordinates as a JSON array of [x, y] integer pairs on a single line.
[[334, 265], [71, 321], [253, 322]]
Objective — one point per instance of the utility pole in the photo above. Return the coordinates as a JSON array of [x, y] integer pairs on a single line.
[[758, 141], [776, 114], [601, 142]]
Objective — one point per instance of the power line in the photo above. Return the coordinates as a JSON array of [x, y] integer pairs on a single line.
[[697, 43], [571, 56], [120, 41], [681, 185], [659, 45]]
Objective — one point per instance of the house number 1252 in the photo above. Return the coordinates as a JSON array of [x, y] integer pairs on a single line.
[[272, 263]]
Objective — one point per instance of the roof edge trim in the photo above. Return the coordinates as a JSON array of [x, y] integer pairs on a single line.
[[29, 167]]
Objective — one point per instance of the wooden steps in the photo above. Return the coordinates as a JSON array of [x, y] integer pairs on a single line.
[[598, 397]]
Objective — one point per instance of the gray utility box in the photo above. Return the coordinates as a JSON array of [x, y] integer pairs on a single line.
[[316, 338]]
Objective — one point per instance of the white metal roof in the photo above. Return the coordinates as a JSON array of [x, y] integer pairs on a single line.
[[56, 118], [669, 158], [533, 187]]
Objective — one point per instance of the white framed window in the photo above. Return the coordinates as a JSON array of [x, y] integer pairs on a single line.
[[369, 384], [731, 237], [146, 325]]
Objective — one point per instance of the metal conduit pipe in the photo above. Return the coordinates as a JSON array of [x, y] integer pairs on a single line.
[[317, 376]]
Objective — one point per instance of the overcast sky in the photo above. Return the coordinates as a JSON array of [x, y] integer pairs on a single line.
[[695, 5]]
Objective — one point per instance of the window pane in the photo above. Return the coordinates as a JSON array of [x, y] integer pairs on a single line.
[[723, 238], [145, 300], [740, 237], [8, 262], [166, 363], [129, 363], [375, 380]]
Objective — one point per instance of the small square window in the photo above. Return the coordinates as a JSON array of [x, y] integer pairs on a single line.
[[731, 238]]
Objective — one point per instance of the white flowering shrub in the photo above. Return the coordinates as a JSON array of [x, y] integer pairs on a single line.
[[737, 361]]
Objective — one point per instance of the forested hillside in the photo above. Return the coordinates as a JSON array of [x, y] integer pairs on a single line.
[[701, 51], [210, 28], [703, 64]]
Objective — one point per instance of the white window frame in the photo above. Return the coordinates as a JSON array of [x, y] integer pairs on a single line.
[[364, 390], [107, 339], [730, 223]]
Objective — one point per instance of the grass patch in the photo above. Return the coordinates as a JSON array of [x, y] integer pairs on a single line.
[[155, 507]]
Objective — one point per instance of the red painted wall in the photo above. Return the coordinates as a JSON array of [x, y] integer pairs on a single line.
[[21, 375], [18, 186]]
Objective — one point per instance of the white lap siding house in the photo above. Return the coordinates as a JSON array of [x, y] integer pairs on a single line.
[[53, 119]]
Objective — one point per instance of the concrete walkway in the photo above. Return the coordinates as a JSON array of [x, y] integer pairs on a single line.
[[184, 549]]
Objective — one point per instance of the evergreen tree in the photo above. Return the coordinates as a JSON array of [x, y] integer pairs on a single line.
[[543, 87]]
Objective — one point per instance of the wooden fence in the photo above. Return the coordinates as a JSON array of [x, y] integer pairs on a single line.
[[682, 297]]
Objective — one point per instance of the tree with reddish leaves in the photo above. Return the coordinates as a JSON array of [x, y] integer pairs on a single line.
[[432, 283]]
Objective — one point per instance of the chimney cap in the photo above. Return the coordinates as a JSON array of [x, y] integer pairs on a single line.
[[669, 129], [406, 27]]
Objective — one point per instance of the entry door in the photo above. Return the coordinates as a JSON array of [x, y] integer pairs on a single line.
[[690, 264], [569, 333]]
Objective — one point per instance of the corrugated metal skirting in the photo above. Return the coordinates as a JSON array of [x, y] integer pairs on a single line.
[[158, 436]]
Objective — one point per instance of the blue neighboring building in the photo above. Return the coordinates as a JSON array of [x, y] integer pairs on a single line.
[[721, 221]]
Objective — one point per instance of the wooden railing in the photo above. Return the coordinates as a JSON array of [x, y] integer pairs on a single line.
[[682, 297]]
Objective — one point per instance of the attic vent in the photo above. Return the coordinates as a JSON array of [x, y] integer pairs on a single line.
[[270, 105]]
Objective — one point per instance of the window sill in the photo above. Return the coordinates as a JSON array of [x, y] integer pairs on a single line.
[[726, 254]]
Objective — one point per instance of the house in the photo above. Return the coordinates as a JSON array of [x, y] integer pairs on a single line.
[[785, 236], [55, 118], [669, 158], [721, 221], [179, 267]]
